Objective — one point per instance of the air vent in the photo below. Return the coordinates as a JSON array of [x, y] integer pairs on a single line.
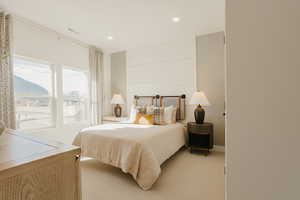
[[73, 31]]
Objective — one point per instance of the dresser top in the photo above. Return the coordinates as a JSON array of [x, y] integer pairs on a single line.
[[18, 148]]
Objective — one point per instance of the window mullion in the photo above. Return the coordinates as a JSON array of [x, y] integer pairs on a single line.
[[59, 96], [53, 96]]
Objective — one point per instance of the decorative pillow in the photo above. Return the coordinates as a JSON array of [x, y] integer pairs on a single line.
[[133, 113], [150, 109], [168, 114], [142, 109], [134, 110], [159, 116], [146, 119]]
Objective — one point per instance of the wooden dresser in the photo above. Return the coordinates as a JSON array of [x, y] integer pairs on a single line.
[[32, 168]]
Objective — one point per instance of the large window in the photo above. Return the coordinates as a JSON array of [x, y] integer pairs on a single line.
[[49, 95], [75, 92], [33, 93]]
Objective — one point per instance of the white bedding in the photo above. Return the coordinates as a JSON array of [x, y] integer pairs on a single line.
[[136, 149]]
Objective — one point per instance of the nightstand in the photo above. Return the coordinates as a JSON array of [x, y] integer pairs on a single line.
[[201, 136], [113, 119]]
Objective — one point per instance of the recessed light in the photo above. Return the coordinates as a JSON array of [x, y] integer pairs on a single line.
[[110, 37], [176, 19]]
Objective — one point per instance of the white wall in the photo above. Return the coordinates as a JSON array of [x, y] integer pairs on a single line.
[[211, 80], [107, 84], [35, 41], [263, 68], [119, 76], [165, 69]]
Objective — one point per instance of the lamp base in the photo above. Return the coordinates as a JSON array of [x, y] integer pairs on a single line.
[[199, 115], [118, 110]]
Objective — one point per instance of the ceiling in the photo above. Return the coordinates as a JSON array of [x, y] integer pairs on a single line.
[[131, 23]]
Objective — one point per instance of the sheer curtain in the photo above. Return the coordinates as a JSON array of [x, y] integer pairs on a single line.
[[7, 107], [96, 85]]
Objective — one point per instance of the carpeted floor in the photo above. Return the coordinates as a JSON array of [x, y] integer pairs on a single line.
[[184, 176]]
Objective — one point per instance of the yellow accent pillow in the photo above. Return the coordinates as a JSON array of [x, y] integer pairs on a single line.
[[146, 119]]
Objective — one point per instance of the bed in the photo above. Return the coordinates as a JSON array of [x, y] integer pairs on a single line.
[[136, 149]]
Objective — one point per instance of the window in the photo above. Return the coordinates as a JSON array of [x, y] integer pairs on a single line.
[[49, 95], [75, 94], [33, 94]]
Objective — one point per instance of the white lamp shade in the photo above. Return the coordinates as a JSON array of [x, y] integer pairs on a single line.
[[117, 99], [199, 98]]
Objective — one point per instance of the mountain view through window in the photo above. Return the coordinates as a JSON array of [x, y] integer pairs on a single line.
[[33, 94]]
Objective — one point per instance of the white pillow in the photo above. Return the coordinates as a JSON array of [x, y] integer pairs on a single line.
[[150, 109], [133, 113], [168, 115]]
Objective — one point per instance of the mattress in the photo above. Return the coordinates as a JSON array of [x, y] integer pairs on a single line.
[[136, 149]]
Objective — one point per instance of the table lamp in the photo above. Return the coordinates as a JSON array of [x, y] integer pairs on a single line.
[[200, 99], [118, 100]]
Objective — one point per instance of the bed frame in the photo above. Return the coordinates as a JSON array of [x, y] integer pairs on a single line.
[[158, 100]]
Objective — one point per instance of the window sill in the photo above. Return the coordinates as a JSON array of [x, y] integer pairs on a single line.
[[51, 129]]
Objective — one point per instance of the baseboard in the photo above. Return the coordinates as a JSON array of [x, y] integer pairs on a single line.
[[219, 148]]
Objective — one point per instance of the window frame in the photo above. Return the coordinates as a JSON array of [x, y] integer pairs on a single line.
[[53, 90], [57, 97], [87, 121]]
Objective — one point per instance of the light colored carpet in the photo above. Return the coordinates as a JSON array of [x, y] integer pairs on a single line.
[[184, 176]]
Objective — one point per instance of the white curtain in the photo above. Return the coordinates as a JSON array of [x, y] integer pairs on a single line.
[[7, 106], [96, 85]]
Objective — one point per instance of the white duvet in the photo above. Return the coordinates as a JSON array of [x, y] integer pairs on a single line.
[[137, 149]]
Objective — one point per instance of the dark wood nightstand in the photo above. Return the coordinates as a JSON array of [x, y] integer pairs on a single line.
[[201, 136]]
